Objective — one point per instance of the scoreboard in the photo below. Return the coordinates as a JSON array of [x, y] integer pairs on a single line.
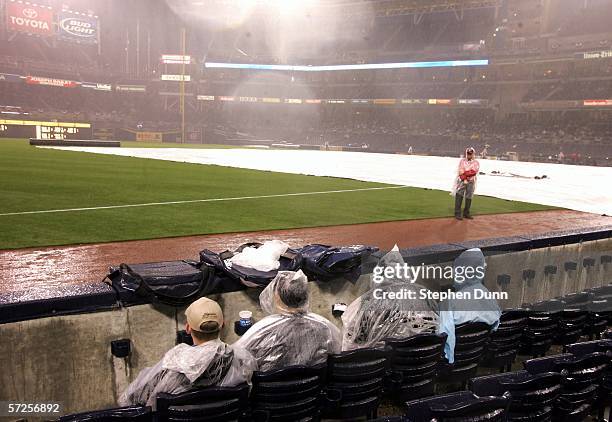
[[59, 132], [44, 130]]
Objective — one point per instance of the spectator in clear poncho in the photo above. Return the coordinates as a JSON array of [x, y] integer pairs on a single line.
[[469, 309], [209, 362], [290, 334], [370, 319]]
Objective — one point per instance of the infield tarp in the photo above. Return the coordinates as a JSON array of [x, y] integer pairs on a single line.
[[581, 188]]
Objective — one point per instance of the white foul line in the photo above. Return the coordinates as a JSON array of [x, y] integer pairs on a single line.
[[150, 204]]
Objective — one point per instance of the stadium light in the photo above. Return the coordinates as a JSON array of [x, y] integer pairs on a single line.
[[405, 65]]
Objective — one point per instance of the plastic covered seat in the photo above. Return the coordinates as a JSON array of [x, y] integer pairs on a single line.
[[359, 376], [216, 404], [460, 406], [291, 394], [414, 365], [532, 396], [130, 413]]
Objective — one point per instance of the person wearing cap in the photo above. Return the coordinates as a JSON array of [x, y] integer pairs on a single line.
[[290, 334], [465, 183], [209, 362]]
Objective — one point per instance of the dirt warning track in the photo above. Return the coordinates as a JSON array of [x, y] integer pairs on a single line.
[[48, 268]]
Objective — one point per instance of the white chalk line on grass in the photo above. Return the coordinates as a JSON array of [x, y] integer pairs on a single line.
[[193, 201]]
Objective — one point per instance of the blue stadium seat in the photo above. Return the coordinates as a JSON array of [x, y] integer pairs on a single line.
[[290, 394], [359, 376], [472, 339], [541, 327], [414, 364], [532, 396], [460, 406], [583, 376], [505, 341], [215, 404], [131, 413]]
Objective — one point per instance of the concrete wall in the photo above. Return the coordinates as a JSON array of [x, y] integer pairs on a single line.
[[68, 358]]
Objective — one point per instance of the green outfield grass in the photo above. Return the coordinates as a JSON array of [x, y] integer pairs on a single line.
[[42, 179]]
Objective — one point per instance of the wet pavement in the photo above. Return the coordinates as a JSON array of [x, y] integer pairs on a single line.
[[27, 274]]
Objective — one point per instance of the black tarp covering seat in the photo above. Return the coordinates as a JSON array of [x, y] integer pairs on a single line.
[[291, 260], [174, 283], [63, 300], [325, 263]]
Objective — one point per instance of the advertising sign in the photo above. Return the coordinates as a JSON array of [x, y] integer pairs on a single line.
[[149, 136], [78, 27], [598, 102], [178, 78], [97, 86], [175, 59], [40, 80], [384, 101], [132, 88], [29, 18], [9, 77], [597, 54]]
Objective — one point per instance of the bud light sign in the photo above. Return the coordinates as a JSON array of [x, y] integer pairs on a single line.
[[78, 27]]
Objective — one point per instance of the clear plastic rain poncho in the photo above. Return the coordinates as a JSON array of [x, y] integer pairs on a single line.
[[457, 311], [183, 367], [368, 320], [290, 335]]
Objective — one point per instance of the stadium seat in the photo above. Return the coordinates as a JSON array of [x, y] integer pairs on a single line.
[[532, 396], [583, 376], [599, 313], [131, 413], [414, 365], [605, 386], [216, 404], [290, 394], [571, 325], [505, 341], [359, 376], [603, 292], [541, 327], [471, 343], [460, 406]]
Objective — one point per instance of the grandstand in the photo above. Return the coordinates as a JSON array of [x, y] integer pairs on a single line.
[[252, 137]]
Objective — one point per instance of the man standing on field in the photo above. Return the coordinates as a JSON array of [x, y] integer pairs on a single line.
[[465, 183]]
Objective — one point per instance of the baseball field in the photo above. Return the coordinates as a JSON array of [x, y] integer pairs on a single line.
[[52, 197]]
